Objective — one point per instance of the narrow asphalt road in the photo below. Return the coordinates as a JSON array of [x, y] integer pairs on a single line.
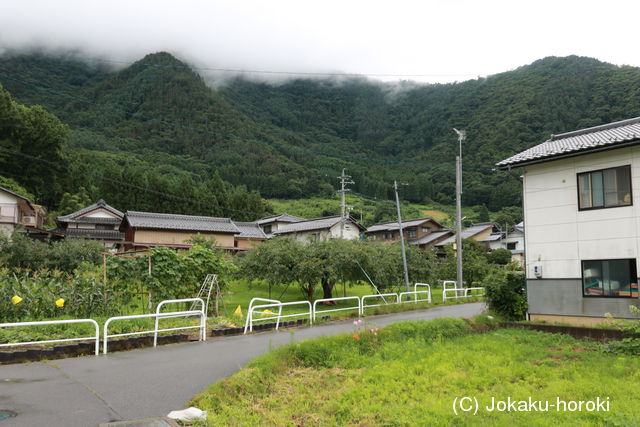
[[151, 382]]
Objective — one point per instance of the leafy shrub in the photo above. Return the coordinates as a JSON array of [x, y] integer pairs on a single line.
[[174, 274], [499, 256], [66, 255], [630, 346], [505, 294], [83, 293]]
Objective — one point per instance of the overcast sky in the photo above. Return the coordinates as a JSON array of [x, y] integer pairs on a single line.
[[442, 41]]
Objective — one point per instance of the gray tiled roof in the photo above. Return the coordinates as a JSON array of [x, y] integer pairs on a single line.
[[468, 232], [250, 230], [90, 233], [310, 224], [180, 222], [494, 237], [583, 140], [284, 217], [519, 227], [314, 224], [393, 225], [100, 204], [431, 237]]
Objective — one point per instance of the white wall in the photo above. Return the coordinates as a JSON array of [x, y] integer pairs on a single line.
[[558, 236], [7, 198], [351, 232], [100, 213]]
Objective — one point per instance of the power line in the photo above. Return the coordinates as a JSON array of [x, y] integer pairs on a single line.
[[258, 71], [159, 193], [227, 136], [126, 184]]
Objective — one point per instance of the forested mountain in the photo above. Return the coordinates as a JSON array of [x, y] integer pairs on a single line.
[[158, 119]]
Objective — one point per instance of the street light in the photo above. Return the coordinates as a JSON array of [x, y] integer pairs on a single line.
[[461, 136]]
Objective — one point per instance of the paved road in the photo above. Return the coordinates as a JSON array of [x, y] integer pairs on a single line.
[[150, 382]]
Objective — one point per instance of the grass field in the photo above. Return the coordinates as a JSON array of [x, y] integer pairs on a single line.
[[410, 373], [241, 293]]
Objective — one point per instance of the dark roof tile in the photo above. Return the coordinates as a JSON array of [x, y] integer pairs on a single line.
[[180, 222], [583, 140]]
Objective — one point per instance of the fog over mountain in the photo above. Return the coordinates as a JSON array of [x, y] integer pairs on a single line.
[[428, 41]]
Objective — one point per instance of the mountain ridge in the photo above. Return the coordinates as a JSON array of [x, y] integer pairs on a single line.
[[290, 140]]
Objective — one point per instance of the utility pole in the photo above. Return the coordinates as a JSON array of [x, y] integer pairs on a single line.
[[461, 136], [404, 254], [344, 181]]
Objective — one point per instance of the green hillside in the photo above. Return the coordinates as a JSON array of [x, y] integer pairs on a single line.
[[157, 121]]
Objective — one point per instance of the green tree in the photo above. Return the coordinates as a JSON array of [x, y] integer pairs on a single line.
[[31, 147], [482, 213], [499, 256], [475, 265]]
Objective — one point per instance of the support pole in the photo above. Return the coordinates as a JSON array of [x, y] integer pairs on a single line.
[[344, 181], [404, 254], [459, 222]]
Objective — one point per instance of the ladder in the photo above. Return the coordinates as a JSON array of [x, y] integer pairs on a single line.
[[210, 281]]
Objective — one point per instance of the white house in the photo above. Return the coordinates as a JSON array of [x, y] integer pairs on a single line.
[[16, 210], [99, 221], [331, 227], [511, 240], [582, 226], [273, 223]]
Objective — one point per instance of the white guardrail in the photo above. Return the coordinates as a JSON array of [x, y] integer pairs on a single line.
[[459, 292], [158, 315], [416, 292], [249, 321], [356, 307], [378, 296], [279, 315], [55, 322]]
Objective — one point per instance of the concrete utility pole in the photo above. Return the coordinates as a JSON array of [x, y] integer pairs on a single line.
[[404, 254], [461, 136], [344, 181]]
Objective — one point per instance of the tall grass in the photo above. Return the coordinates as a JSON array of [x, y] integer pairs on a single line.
[[410, 373]]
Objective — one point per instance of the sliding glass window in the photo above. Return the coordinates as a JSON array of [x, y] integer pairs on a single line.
[[605, 188], [609, 278]]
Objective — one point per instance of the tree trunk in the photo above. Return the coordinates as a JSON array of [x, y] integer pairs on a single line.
[[309, 290], [327, 288]]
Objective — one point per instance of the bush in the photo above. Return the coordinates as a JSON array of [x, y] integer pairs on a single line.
[[66, 255], [499, 256], [505, 294], [83, 293]]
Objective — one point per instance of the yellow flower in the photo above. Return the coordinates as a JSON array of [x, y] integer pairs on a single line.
[[16, 299], [267, 311], [60, 302]]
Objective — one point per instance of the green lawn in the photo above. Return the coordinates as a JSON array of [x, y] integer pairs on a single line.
[[410, 373], [241, 292]]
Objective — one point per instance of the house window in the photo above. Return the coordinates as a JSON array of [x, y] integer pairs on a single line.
[[104, 227], [412, 233], [610, 278], [512, 246], [605, 188], [425, 229], [267, 229]]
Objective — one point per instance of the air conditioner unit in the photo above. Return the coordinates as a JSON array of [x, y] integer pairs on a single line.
[[29, 220]]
